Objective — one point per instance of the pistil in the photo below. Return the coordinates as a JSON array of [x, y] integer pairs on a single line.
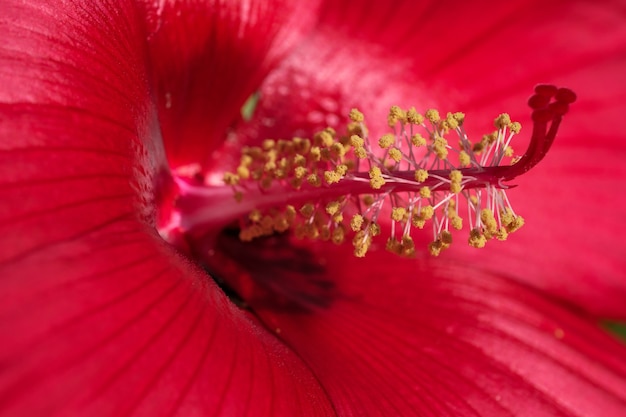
[[335, 184]]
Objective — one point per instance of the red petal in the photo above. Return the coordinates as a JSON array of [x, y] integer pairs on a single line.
[[483, 60], [208, 57], [387, 336], [99, 317]]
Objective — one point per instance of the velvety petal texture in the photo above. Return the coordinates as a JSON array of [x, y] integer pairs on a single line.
[[99, 316], [483, 58], [427, 338]]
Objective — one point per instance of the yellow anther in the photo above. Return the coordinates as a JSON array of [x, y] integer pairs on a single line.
[[326, 154], [246, 160], [456, 222], [337, 217], [338, 150], [451, 122], [515, 127], [361, 242], [455, 187], [368, 200], [407, 246], [427, 212], [440, 147], [307, 210], [375, 172], [459, 117], [333, 207], [517, 222], [418, 140], [230, 178], [386, 140], [502, 234], [414, 117], [502, 121], [477, 239], [314, 180], [341, 169], [508, 151], [360, 153], [331, 177], [356, 141], [421, 175], [425, 192], [374, 229], [324, 232], [398, 213], [301, 146], [243, 172], [434, 248], [432, 115], [281, 224], [478, 147], [464, 159], [356, 116], [268, 144], [395, 154], [377, 182], [489, 221], [316, 154], [446, 237], [456, 175], [396, 114], [339, 234], [356, 222], [393, 246], [299, 172], [290, 213], [324, 138], [255, 216]]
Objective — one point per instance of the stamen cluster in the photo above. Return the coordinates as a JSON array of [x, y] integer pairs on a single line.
[[419, 174]]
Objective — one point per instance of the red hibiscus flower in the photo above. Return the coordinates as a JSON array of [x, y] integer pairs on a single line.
[[101, 101]]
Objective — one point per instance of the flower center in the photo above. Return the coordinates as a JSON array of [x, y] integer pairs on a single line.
[[424, 173]]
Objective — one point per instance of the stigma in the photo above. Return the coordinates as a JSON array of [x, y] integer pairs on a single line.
[[426, 175]]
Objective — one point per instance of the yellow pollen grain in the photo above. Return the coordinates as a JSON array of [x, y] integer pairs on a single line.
[[230, 178], [434, 248], [360, 153], [377, 182], [341, 169], [421, 175], [456, 175], [456, 222], [427, 212], [425, 192], [356, 141], [314, 180], [332, 207], [255, 216], [331, 177], [502, 121], [508, 151], [464, 159], [316, 154], [455, 187], [356, 222], [395, 154], [243, 172], [307, 210], [386, 140], [515, 127], [356, 116], [290, 213], [338, 150], [299, 172], [440, 147], [418, 140], [398, 213], [339, 235], [268, 144], [432, 115], [414, 117], [477, 239]]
